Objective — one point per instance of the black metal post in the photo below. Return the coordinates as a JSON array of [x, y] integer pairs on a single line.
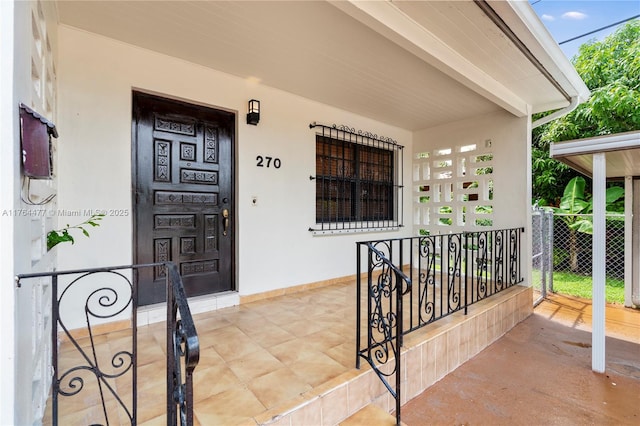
[[54, 349], [399, 333], [358, 303], [466, 272], [170, 344]]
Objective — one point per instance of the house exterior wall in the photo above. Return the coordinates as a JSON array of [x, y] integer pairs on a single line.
[[27, 50], [8, 200], [508, 139], [274, 247]]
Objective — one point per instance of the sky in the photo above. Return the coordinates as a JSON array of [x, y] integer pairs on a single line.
[[566, 19]]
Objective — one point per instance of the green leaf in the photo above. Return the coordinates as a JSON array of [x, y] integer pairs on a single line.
[[56, 237], [62, 235], [573, 201], [573, 204], [613, 194], [583, 225], [67, 236]]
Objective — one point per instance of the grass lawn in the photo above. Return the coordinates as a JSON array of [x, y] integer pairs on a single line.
[[580, 286]]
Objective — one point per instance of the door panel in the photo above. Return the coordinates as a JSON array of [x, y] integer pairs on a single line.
[[183, 183]]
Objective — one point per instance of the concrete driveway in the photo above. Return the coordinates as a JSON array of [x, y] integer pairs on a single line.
[[539, 373]]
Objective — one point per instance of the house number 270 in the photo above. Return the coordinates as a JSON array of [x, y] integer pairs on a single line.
[[268, 162]]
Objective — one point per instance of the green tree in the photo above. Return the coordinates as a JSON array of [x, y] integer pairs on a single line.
[[611, 70], [549, 176]]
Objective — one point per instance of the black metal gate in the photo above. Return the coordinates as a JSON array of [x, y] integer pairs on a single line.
[[91, 371]]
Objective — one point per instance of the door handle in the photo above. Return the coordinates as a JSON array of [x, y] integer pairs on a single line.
[[225, 221]]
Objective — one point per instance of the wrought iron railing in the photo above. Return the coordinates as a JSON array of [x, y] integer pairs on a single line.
[[443, 274], [182, 344], [384, 319], [96, 371]]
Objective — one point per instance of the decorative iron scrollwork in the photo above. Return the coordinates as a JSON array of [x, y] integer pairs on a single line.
[[110, 294], [427, 279], [498, 261], [481, 264], [454, 257], [514, 256], [453, 272], [361, 133], [344, 128], [103, 294], [385, 289]]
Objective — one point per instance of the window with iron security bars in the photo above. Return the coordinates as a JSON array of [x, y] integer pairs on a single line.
[[358, 181]]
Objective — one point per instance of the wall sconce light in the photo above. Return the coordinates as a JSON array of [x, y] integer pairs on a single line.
[[254, 112]]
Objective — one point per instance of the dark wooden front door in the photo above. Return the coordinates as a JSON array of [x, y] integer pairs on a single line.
[[183, 195]]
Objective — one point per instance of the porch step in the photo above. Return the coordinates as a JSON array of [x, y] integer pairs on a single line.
[[371, 415]]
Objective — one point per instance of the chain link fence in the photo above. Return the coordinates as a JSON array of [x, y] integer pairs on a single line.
[[562, 255], [542, 249], [573, 250]]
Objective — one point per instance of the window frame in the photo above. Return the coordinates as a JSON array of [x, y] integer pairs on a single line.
[[344, 158]]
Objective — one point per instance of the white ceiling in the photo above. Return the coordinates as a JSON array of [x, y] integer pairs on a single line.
[[316, 50]]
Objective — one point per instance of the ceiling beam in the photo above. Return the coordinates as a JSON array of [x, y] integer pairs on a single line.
[[386, 19]]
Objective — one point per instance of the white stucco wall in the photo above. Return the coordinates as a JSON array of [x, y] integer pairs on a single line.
[[511, 147], [8, 179], [25, 328], [274, 247], [509, 138]]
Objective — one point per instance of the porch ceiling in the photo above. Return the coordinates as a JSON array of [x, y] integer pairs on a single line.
[[348, 58], [622, 151]]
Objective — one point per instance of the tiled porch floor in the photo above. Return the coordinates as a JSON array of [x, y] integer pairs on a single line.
[[257, 360], [253, 358], [262, 354]]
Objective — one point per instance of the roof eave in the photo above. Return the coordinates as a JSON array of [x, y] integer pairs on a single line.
[[622, 150], [522, 19], [386, 19]]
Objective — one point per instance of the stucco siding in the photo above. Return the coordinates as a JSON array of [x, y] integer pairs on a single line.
[[508, 139], [274, 247], [27, 49]]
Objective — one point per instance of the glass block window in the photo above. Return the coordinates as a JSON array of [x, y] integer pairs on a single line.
[[356, 181]]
